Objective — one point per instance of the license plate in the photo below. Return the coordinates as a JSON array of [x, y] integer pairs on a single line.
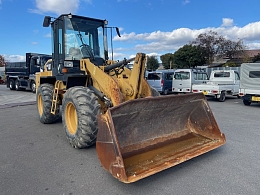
[[254, 98], [205, 92]]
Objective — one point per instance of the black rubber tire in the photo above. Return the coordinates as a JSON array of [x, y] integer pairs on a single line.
[[44, 101], [246, 102], [33, 86], [154, 92], [80, 109], [17, 88], [222, 97], [165, 91], [11, 84]]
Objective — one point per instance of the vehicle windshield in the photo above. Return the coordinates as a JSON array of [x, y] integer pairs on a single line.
[[84, 38], [181, 75]]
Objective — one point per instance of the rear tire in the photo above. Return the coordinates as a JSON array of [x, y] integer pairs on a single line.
[[246, 102], [222, 97], [11, 84], [80, 109], [44, 101], [17, 88], [165, 91]]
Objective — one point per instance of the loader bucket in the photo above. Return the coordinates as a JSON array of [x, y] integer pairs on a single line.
[[144, 136]]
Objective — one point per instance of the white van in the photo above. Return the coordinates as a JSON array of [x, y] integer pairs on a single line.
[[183, 79]]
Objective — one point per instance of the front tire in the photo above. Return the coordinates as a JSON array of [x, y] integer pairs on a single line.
[[80, 109], [44, 101], [33, 86]]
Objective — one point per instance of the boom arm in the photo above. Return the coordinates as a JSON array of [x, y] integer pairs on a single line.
[[126, 85]]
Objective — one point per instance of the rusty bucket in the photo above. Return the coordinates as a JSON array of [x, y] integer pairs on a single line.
[[141, 137]]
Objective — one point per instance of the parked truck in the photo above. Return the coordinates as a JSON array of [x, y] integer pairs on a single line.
[[249, 88], [220, 84], [21, 75]]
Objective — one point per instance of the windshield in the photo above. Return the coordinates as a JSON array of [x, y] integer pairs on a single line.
[[84, 38]]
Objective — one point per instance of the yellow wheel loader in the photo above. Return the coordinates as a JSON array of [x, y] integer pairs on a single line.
[[137, 132]]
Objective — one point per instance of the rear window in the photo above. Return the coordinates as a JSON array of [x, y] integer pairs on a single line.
[[254, 74], [154, 76], [200, 76], [181, 75], [222, 74]]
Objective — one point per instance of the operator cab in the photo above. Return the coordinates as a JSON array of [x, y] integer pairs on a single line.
[[75, 38]]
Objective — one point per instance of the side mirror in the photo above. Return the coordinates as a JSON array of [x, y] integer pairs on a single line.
[[38, 61], [117, 31], [46, 21]]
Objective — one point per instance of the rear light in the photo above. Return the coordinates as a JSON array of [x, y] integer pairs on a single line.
[[195, 90], [187, 89], [241, 94], [214, 91], [162, 82], [173, 89]]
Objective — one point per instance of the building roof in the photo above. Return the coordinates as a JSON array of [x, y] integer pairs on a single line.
[[252, 53]]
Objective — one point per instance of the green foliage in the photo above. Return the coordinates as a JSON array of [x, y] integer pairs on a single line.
[[256, 58], [230, 64], [188, 56], [167, 60], [152, 63]]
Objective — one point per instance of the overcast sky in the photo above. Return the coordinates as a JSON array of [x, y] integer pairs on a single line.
[[154, 27]]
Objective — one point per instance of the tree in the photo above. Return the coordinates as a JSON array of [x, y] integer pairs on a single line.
[[2, 61], [167, 60], [152, 63], [188, 56], [216, 46], [256, 58]]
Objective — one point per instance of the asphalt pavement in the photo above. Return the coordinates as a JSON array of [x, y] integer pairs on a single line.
[[37, 158]]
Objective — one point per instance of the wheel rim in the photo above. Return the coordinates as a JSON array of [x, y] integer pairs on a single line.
[[11, 84], [40, 104], [33, 86], [71, 118], [16, 85]]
